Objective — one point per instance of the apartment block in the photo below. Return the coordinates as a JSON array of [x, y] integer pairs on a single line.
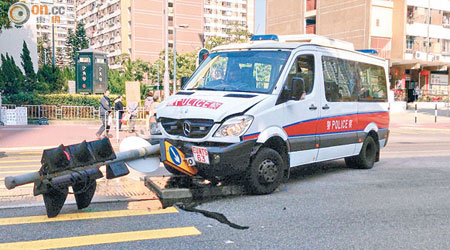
[[421, 45], [422, 30], [222, 15], [365, 23], [137, 27], [104, 26], [62, 23]]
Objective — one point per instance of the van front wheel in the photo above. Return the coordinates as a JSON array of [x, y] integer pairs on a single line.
[[367, 156], [266, 172]]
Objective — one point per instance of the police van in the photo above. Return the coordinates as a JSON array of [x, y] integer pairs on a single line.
[[252, 111]]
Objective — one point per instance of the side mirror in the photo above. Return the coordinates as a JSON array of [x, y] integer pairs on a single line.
[[298, 89], [184, 80]]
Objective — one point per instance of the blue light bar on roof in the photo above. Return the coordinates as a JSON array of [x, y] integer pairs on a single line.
[[368, 51], [264, 37]]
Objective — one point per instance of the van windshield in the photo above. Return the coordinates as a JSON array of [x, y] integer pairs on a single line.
[[240, 71]]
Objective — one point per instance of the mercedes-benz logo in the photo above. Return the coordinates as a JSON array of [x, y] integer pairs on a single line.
[[186, 128]]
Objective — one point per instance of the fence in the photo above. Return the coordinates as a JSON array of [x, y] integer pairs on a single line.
[[9, 106], [54, 112]]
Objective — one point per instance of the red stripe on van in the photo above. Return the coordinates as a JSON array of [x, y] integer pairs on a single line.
[[345, 123]]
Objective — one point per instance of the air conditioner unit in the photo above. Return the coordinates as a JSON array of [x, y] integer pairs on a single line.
[[419, 55], [436, 58]]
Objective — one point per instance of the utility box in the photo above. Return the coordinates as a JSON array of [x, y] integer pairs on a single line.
[[91, 71]]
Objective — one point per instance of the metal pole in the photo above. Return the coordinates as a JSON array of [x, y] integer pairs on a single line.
[[53, 43], [435, 113], [174, 59], [149, 151], [415, 113], [166, 48], [158, 76], [428, 29]]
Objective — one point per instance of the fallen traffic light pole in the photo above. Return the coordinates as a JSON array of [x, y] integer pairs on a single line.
[[78, 166]]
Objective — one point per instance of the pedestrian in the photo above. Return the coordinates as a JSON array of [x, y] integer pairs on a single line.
[[416, 93], [132, 110], [119, 109], [105, 110], [148, 104]]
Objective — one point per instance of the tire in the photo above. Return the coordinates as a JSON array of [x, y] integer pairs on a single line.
[[366, 158], [172, 170], [265, 173]]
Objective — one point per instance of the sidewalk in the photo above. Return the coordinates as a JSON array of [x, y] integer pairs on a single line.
[[39, 137]]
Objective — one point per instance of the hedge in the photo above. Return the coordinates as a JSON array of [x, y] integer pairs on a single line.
[[54, 99]]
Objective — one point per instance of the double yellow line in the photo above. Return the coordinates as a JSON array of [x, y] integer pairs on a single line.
[[95, 239]]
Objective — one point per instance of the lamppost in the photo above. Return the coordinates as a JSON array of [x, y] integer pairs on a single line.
[[45, 46], [53, 43], [166, 48], [175, 54]]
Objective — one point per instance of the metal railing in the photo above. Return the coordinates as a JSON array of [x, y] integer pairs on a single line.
[[41, 111], [77, 112], [55, 112]]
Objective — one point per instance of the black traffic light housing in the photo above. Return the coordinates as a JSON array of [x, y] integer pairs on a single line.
[[77, 166]]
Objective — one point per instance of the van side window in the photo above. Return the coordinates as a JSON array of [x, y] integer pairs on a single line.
[[341, 79], [373, 83], [303, 68]]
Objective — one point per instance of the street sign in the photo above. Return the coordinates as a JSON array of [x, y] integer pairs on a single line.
[[202, 55]]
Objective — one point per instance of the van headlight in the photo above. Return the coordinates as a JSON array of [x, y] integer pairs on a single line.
[[154, 129], [235, 126]]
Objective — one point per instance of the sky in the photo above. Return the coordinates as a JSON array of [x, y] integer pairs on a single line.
[[260, 17]]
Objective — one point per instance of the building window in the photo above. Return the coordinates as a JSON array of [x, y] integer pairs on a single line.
[[446, 46], [409, 43]]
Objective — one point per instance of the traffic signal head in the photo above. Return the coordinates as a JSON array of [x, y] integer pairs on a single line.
[[102, 150], [80, 154], [202, 55], [55, 159]]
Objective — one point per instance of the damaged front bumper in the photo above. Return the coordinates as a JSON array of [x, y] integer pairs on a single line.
[[225, 159]]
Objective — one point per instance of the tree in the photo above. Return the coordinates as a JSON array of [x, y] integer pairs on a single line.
[[76, 41], [4, 8], [50, 79], [11, 78], [27, 65]]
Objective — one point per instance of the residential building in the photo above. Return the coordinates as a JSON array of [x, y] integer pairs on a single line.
[[223, 15], [62, 23], [365, 23], [136, 27], [421, 45], [147, 27], [418, 50], [104, 24]]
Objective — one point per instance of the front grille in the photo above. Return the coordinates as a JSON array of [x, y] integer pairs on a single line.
[[199, 128]]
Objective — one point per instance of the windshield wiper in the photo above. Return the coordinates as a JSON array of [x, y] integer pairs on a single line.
[[205, 89]]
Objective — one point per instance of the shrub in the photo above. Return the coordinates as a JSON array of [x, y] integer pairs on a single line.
[[54, 99]]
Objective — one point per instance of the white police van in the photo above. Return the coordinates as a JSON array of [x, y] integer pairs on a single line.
[[252, 111]]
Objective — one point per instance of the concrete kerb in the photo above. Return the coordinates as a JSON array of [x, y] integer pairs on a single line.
[[104, 199]]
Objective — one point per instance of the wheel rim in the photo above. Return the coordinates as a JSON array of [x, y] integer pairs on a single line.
[[267, 171], [370, 152]]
